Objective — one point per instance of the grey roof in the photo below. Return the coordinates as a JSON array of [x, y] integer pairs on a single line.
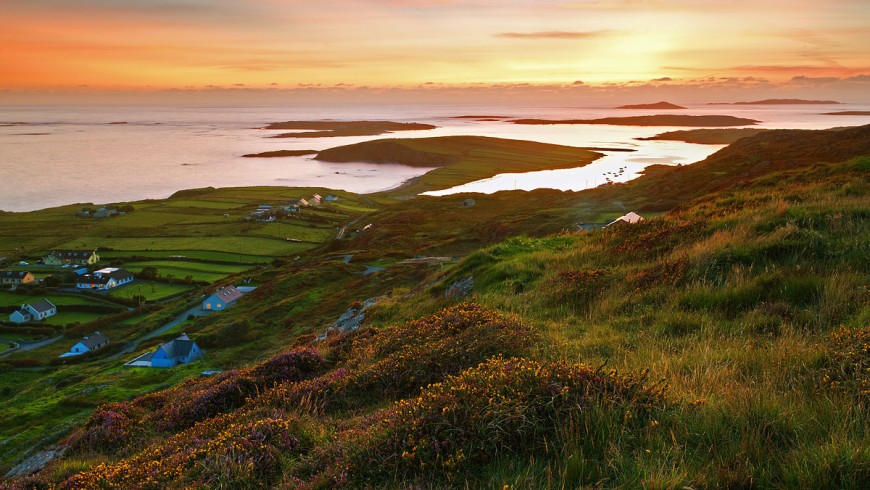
[[94, 340], [14, 274], [73, 254], [179, 347], [228, 294], [23, 313], [43, 306]]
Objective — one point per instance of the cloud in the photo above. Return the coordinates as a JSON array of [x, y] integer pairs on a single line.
[[551, 35]]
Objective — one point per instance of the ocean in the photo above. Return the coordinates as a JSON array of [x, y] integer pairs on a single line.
[[52, 156]]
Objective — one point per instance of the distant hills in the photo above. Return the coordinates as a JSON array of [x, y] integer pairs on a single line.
[[778, 102], [657, 105], [655, 120]]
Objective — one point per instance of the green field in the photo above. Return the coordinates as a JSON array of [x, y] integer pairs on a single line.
[[11, 299], [150, 290], [243, 245], [199, 271]]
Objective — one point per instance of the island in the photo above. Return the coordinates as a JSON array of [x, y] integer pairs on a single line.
[[281, 153], [329, 129], [480, 117], [657, 105], [459, 159], [656, 120], [778, 102], [847, 113], [706, 136]]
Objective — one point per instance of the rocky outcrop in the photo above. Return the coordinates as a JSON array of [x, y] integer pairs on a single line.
[[459, 289], [351, 319], [36, 462]]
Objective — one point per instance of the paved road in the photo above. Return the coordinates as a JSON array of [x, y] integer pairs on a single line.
[[30, 346], [132, 346]]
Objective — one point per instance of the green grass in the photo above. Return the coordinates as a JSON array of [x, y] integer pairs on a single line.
[[199, 271], [65, 318], [150, 290], [11, 299]]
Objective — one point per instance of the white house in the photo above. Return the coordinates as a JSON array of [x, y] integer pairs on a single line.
[[40, 310], [108, 278], [87, 344], [630, 218], [221, 298]]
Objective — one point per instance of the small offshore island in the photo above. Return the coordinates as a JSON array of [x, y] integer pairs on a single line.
[[655, 120], [330, 129], [281, 153], [657, 105]]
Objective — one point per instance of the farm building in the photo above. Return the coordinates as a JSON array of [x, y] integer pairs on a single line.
[[221, 298], [108, 278], [630, 218], [15, 278], [87, 344], [40, 310], [76, 257], [179, 351]]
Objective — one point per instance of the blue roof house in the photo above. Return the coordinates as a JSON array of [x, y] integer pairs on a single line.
[[179, 351]]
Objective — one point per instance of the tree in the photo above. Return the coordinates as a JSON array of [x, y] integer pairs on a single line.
[[149, 272]]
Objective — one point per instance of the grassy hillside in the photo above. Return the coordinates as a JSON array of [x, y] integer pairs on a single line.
[[720, 344]]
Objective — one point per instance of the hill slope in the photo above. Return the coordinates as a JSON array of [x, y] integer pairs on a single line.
[[733, 301]]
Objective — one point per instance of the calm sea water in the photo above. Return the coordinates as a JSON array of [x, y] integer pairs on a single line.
[[52, 156]]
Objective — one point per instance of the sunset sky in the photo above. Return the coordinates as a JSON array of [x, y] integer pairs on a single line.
[[419, 44]]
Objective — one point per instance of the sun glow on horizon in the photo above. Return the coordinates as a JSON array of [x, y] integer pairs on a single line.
[[198, 44]]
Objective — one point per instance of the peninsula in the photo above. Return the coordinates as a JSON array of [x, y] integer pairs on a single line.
[[460, 159], [724, 136]]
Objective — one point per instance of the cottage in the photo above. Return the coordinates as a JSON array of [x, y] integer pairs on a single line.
[[76, 257], [107, 278], [179, 351], [105, 212], [468, 203], [20, 316], [88, 344], [331, 198], [303, 202], [630, 218], [221, 298], [14, 278], [40, 310]]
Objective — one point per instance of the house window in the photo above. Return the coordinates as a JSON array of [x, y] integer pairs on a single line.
[[218, 305], [208, 306]]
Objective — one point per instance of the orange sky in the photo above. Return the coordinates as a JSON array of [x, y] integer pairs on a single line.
[[194, 44]]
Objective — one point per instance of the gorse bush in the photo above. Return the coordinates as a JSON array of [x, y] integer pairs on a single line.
[[397, 361], [122, 424], [502, 406], [849, 368]]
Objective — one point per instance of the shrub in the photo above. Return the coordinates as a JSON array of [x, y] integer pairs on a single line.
[[502, 407], [849, 367]]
